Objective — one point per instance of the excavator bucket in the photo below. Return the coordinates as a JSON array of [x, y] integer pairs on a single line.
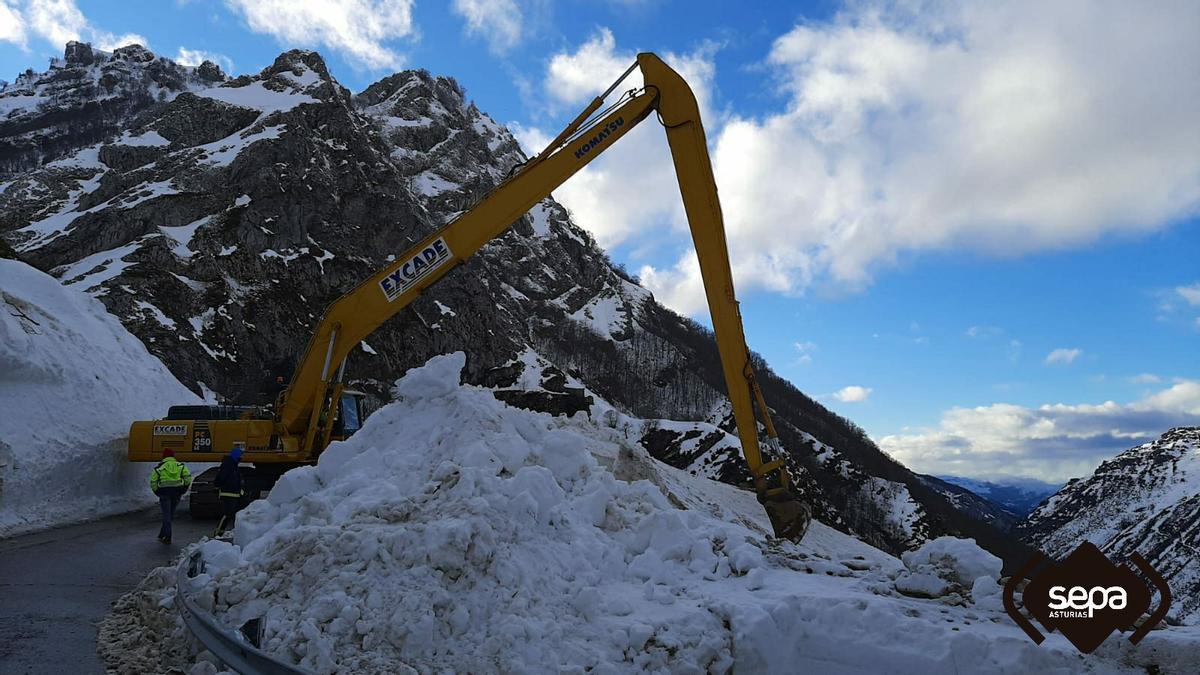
[[789, 515]]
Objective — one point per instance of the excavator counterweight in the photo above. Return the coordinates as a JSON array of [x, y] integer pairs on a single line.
[[314, 409]]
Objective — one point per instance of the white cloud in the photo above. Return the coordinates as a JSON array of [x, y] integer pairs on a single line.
[[531, 139], [57, 22], [999, 127], [1063, 356], [497, 21], [983, 331], [1145, 378], [194, 57], [356, 28], [12, 25], [572, 77], [679, 287], [633, 185], [106, 41], [1052, 442], [853, 394], [1014, 350], [805, 350], [1190, 294]]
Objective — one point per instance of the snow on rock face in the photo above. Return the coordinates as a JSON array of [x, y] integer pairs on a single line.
[[71, 381], [455, 533]]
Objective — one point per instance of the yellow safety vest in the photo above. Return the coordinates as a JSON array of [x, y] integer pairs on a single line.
[[170, 473]]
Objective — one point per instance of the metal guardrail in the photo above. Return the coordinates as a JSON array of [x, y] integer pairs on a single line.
[[234, 649]]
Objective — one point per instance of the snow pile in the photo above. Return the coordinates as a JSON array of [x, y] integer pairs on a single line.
[[454, 533], [72, 379], [947, 565]]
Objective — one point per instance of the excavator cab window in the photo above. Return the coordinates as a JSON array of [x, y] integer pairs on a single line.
[[350, 413]]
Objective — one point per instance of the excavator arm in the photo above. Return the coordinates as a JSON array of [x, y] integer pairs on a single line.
[[305, 414], [356, 314], [352, 318]]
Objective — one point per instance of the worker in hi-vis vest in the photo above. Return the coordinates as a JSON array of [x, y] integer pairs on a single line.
[[229, 487], [169, 480]]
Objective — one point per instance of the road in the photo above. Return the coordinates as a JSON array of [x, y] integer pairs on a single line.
[[56, 586]]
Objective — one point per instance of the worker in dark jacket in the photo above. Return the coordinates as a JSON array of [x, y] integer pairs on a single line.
[[169, 480], [229, 488]]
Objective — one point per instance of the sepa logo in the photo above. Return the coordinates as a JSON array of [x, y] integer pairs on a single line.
[[1086, 597], [404, 277], [1080, 602]]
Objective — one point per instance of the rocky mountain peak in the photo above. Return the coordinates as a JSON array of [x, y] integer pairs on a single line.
[[78, 54], [1144, 500], [86, 97], [133, 53], [440, 138], [413, 91], [297, 72]]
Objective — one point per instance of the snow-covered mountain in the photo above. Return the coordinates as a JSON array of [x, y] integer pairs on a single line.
[[973, 504], [217, 220], [84, 98], [1146, 499], [1018, 496]]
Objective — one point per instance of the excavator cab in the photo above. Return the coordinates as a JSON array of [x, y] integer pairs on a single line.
[[351, 414]]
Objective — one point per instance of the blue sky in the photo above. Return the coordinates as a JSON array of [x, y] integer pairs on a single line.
[[972, 230]]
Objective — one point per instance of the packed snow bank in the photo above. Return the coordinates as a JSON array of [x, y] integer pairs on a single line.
[[454, 533], [71, 381]]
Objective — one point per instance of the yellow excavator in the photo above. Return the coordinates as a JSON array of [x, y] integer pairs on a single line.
[[316, 409]]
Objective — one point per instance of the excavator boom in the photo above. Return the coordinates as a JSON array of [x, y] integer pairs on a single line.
[[304, 422]]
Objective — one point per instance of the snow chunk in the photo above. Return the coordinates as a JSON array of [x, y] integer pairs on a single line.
[[945, 564], [438, 377]]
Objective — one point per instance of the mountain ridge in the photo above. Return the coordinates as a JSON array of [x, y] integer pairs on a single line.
[[1019, 496]]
